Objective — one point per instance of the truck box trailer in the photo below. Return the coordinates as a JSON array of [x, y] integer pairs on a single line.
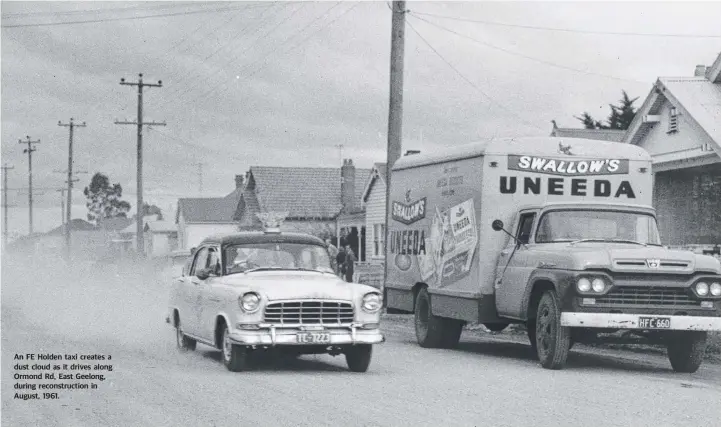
[[557, 234]]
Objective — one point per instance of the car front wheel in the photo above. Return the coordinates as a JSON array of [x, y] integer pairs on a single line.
[[235, 357], [358, 357]]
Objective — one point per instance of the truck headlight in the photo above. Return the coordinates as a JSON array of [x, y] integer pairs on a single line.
[[702, 288], [371, 302], [583, 285], [249, 302], [598, 285], [715, 289]]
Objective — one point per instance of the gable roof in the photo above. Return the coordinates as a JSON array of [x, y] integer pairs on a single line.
[[613, 135], [76, 224], [115, 224], [696, 97], [209, 209], [378, 172], [302, 192]]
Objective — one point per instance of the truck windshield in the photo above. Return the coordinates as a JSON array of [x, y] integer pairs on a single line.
[[597, 225]]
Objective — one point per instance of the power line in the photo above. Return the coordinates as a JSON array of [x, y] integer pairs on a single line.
[[510, 52], [469, 81], [91, 11], [163, 15], [568, 30]]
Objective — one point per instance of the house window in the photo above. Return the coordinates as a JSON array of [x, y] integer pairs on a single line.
[[379, 234], [672, 120]]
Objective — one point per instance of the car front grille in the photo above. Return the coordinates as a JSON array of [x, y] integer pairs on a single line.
[[309, 312], [644, 296]]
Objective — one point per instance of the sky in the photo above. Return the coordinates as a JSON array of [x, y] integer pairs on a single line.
[[284, 84]]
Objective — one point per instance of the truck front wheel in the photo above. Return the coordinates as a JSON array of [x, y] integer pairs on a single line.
[[553, 341], [686, 350], [429, 328]]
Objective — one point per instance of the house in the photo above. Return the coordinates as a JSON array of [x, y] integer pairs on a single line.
[[374, 200], [319, 201], [160, 237], [612, 135], [197, 218], [679, 124]]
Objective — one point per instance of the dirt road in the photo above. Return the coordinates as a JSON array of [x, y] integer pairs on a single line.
[[483, 382]]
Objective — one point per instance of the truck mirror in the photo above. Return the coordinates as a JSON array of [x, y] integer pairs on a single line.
[[497, 225]]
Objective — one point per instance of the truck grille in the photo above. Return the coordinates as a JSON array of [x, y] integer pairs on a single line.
[[309, 312], [644, 296]]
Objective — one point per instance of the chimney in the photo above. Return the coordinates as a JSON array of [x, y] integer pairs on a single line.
[[700, 71], [347, 185], [239, 181]]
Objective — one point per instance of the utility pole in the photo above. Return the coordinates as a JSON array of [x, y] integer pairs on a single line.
[[139, 122], [62, 208], [395, 113], [72, 125], [29, 151], [5, 170]]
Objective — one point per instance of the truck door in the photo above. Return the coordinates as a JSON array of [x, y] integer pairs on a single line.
[[514, 268]]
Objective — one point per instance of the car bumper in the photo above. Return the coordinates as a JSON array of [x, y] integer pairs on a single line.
[[633, 321], [270, 335]]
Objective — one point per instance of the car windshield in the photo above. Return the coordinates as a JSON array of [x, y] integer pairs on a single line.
[[276, 256], [597, 225]]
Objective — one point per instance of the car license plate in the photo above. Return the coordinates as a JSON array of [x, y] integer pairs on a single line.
[[313, 337], [654, 322]]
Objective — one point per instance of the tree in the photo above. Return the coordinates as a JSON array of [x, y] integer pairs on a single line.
[[104, 200], [151, 210], [620, 118]]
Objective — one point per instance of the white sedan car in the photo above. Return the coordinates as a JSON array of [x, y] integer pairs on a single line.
[[253, 291]]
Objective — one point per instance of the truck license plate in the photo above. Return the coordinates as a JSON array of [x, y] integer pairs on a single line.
[[654, 322], [313, 337]]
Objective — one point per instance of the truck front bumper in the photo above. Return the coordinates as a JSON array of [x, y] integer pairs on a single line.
[[639, 321], [271, 335]]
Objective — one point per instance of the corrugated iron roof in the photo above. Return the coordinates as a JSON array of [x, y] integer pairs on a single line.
[[210, 209]]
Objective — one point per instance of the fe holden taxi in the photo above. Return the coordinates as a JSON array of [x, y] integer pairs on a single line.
[[252, 291]]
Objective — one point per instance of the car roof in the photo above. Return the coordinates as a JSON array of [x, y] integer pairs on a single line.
[[246, 237]]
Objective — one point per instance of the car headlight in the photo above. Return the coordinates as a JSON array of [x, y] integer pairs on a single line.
[[584, 285], [249, 302], [715, 289], [372, 302], [702, 288], [598, 285]]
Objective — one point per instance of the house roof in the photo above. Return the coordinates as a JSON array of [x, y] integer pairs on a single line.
[[613, 135], [209, 209], [76, 224], [378, 172], [302, 192], [116, 224], [161, 226], [698, 99]]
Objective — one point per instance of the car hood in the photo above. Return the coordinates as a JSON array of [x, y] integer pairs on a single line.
[[283, 285], [625, 257]]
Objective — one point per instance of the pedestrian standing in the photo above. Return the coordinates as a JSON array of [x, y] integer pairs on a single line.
[[333, 252], [340, 262], [349, 260]]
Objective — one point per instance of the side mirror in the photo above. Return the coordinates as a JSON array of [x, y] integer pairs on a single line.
[[497, 225], [203, 274]]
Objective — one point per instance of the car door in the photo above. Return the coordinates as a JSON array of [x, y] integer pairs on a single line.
[[193, 295], [514, 268], [210, 295]]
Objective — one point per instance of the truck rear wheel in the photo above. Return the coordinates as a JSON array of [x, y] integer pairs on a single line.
[[686, 350], [429, 328], [553, 341], [452, 330]]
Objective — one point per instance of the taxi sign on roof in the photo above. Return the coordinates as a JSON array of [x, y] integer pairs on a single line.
[[272, 221]]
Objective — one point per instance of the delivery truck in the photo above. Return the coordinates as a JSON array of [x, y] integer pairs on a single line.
[[558, 234]]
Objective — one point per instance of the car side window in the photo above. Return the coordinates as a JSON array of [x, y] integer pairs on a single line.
[[214, 261], [201, 260], [524, 227]]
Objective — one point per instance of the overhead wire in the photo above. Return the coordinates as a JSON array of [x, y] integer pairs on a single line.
[[481, 91], [99, 20], [521, 55], [13, 15], [569, 30]]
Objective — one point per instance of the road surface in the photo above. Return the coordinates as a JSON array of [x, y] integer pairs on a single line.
[[485, 382]]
